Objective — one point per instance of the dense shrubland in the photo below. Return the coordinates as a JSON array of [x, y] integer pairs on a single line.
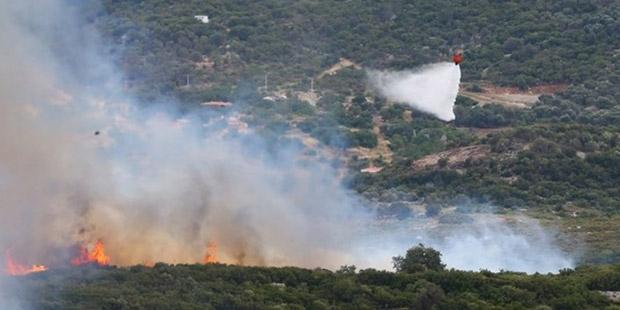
[[509, 43], [160, 46], [421, 282]]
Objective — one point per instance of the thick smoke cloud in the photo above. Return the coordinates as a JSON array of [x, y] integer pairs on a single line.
[[496, 246], [154, 186], [431, 89], [490, 243]]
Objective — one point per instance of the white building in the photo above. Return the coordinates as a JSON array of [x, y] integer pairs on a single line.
[[203, 18]]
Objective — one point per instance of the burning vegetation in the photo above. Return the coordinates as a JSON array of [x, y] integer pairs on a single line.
[[14, 268], [211, 255], [95, 256]]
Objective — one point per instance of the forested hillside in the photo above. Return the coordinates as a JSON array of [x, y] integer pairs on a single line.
[[536, 135], [295, 71], [523, 43], [232, 139], [420, 283]]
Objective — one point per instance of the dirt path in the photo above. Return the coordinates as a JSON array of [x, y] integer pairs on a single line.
[[382, 150], [510, 96], [343, 63], [454, 157]]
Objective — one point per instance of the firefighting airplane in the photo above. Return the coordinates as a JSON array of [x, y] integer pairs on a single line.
[[457, 57]]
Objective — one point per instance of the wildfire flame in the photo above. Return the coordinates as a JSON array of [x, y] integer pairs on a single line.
[[97, 256], [211, 255], [15, 269]]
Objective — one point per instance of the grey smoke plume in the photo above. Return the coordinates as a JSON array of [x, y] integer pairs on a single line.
[[489, 243], [498, 246], [153, 186], [431, 89]]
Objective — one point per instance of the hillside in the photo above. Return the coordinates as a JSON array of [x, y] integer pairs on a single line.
[[539, 99], [218, 286], [229, 154], [521, 44]]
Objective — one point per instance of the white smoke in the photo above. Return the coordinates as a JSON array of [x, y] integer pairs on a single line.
[[431, 89], [498, 247], [489, 243], [152, 185]]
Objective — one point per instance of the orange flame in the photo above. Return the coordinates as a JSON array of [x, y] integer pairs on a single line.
[[97, 256], [211, 255], [15, 269]]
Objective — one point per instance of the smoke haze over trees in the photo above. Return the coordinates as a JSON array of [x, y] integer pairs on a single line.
[[257, 131], [221, 286]]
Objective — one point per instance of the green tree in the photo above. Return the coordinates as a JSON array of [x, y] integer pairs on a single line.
[[419, 258]]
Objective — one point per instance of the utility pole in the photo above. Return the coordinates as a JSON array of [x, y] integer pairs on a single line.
[[312, 85], [187, 80], [266, 81]]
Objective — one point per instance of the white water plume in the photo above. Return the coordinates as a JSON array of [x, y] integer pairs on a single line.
[[431, 89]]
